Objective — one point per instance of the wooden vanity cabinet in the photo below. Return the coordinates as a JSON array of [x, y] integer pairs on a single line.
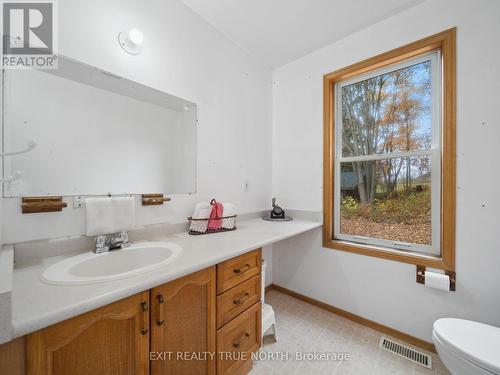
[[112, 340], [183, 325], [239, 319], [171, 329]]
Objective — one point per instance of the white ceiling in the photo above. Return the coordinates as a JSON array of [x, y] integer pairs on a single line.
[[279, 31]]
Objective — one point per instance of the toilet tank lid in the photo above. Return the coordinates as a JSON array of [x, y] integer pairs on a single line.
[[477, 342]]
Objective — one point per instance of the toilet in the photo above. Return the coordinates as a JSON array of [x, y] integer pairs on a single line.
[[466, 347]]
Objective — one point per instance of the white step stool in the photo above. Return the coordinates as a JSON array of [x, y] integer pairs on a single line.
[[268, 317], [268, 320]]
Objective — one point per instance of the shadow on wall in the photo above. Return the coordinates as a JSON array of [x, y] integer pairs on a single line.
[[304, 255]]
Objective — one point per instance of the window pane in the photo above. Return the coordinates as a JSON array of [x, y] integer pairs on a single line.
[[387, 199], [388, 113]]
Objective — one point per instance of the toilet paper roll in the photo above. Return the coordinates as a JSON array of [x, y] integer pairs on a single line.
[[437, 280]]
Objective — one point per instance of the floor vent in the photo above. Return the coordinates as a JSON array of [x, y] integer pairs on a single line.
[[406, 352]]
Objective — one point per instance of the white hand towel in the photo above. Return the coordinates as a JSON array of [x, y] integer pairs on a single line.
[[229, 209], [99, 215], [123, 213], [109, 215]]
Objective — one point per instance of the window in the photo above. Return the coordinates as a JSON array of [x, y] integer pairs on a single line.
[[389, 154], [387, 161]]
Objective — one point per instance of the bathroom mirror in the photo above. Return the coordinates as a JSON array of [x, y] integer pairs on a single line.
[[96, 133]]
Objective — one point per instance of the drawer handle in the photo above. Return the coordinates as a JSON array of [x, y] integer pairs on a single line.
[[161, 308], [240, 300], [243, 338], [243, 269], [144, 307]]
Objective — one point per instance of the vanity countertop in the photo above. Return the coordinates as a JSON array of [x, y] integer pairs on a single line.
[[36, 305]]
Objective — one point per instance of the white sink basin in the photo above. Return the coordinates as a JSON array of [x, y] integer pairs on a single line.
[[90, 268]]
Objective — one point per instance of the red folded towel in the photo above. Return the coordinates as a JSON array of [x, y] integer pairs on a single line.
[[215, 221]]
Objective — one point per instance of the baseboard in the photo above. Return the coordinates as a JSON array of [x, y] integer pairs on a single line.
[[269, 287], [356, 318]]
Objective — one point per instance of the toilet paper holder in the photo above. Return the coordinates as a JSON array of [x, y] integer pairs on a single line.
[[421, 277]]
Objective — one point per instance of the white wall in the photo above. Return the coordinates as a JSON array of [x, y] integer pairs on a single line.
[[184, 56], [1, 171], [381, 290]]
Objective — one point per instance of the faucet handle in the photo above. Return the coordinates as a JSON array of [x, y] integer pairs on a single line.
[[101, 243], [124, 236]]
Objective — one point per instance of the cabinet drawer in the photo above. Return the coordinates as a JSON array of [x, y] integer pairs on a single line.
[[237, 340], [234, 271], [237, 300]]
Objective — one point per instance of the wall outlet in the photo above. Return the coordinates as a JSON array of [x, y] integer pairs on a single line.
[[78, 202]]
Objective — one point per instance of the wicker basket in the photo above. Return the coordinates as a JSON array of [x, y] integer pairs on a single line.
[[200, 226]]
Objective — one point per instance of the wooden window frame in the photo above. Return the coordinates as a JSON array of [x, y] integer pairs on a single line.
[[446, 43]]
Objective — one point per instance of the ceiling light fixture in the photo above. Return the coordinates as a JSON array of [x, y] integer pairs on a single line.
[[131, 41]]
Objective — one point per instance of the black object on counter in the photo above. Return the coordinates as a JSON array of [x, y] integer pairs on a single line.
[[277, 213]]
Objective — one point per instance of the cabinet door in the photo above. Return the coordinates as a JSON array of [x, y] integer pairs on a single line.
[[112, 340], [183, 321], [13, 357]]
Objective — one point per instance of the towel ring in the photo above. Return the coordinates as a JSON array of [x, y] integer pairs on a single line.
[[30, 146]]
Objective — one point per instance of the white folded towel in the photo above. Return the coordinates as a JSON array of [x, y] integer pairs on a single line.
[[228, 209], [202, 210], [109, 215]]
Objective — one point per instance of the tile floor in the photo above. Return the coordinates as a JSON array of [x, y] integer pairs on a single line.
[[306, 328]]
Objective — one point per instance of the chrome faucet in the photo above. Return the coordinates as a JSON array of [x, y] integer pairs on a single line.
[[103, 243]]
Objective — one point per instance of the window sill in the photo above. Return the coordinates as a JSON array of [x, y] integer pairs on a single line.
[[391, 254]]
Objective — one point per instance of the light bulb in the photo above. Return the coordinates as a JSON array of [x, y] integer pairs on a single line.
[[136, 37]]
